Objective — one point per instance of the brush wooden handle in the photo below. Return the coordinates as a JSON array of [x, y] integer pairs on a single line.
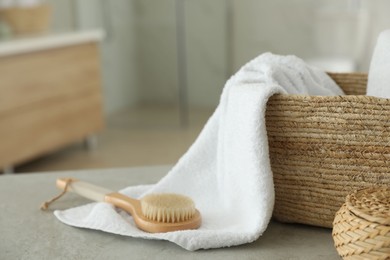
[[84, 189]]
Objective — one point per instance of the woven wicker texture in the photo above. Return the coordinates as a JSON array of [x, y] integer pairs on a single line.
[[361, 226], [351, 83], [323, 148], [372, 204]]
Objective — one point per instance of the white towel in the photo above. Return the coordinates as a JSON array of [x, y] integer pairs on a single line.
[[227, 170], [379, 74]]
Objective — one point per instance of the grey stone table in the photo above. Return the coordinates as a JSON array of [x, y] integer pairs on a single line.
[[29, 233]]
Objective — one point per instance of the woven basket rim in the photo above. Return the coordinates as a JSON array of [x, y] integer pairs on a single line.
[[356, 74], [371, 204]]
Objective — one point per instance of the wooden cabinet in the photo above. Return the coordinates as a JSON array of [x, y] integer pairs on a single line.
[[49, 98]]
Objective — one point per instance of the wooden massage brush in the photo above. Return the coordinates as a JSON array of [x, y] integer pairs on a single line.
[[153, 213]]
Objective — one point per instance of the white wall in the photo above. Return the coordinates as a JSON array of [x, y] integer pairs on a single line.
[[156, 50], [206, 41], [379, 21], [306, 28], [278, 26], [295, 27], [155, 28], [140, 54], [63, 15], [118, 49]]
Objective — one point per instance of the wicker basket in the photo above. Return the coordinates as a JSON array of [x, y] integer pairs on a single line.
[[27, 20], [323, 148], [362, 225]]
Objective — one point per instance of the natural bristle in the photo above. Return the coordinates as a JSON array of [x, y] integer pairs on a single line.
[[167, 208]]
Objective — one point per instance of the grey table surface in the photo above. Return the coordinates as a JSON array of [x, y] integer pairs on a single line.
[[26, 232]]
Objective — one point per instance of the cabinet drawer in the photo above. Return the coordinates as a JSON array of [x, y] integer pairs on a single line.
[[34, 77], [48, 125]]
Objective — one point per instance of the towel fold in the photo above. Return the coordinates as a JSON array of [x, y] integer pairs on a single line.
[[378, 84], [227, 170]]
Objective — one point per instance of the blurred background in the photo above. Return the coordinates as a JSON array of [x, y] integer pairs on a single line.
[[164, 63]]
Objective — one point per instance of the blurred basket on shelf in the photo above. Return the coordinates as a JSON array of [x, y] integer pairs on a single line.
[[324, 147], [27, 20], [361, 228]]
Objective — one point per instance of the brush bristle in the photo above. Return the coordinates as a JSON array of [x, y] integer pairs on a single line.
[[167, 208]]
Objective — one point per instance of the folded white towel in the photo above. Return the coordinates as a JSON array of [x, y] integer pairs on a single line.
[[379, 74], [227, 170]]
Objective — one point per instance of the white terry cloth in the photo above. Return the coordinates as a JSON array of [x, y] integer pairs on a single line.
[[378, 84], [227, 170]]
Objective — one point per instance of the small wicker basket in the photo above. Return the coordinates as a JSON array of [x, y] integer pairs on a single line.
[[361, 228], [322, 148], [27, 20]]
